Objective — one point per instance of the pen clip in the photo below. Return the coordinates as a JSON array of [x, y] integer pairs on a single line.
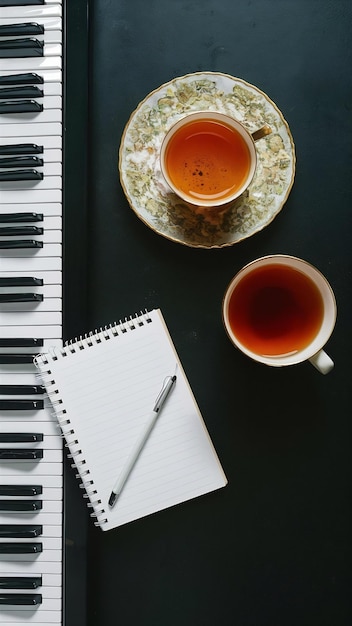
[[166, 388], [161, 393]]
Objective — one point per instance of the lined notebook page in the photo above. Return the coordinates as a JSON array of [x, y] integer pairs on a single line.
[[108, 391]]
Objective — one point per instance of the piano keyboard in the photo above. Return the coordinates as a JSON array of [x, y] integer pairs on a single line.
[[31, 454]]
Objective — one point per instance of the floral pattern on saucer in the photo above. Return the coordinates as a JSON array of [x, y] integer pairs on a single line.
[[149, 195]]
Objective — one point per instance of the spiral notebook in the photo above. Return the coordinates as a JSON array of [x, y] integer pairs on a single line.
[[102, 388]]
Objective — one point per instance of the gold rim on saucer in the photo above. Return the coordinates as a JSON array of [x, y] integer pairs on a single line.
[[146, 190]]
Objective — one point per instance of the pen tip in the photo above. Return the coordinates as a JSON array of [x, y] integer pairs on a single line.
[[112, 499]]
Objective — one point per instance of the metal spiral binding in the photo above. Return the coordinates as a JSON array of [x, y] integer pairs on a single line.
[[42, 362], [104, 333]]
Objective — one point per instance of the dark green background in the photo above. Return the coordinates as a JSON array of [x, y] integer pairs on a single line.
[[274, 547]]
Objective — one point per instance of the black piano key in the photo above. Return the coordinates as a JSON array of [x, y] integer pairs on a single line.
[[21, 405], [20, 454], [28, 78], [21, 297], [21, 281], [20, 599], [20, 148], [15, 231], [21, 48], [21, 491], [20, 582], [22, 106], [20, 243], [21, 161], [20, 3], [7, 358], [27, 91], [17, 390], [6, 218], [17, 175], [16, 30], [23, 506], [20, 438], [21, 342], [20, 548], [20, 531]]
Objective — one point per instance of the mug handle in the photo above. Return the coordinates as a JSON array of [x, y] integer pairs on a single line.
[[261, 132], [322, 362]]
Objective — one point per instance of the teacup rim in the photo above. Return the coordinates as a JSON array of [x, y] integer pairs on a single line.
[[209, 204], [302, 355]]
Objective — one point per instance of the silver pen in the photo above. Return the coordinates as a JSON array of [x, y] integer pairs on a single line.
[[168, 385]]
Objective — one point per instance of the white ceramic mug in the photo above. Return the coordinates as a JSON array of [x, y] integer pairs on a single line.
[[280, 310], [217, 158]]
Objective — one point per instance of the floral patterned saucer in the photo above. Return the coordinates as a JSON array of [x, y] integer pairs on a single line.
[[150, 197]]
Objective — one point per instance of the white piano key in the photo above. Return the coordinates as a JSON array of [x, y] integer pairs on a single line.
[[47, 305], [32, 568], [34, 616], [51, 222], [47, 209], [48, 482], [52, 333], [51, 89], [35, 416], [23, 131], [35, 197], [52, 49], [51, 36], [6, 370], [46, 592], [47, 116], [52, 156], [49, 76], [49, 521], [50, 555], [50, 543], [48, 428], [52, 318], [31, 64], [30, 469], [20, 13]]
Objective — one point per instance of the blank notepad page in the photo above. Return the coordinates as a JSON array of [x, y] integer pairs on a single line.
[[103, 389]]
